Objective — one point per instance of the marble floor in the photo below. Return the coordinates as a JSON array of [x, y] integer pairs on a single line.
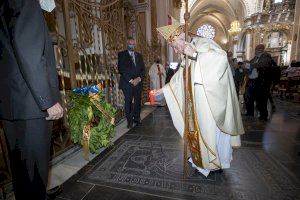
[[146, 163], [66, 165]]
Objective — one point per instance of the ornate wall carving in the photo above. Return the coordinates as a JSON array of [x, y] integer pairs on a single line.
[[97, 32]]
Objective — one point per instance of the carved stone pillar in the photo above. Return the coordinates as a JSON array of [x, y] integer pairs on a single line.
[[235, 46], [143, 10], [153, 20], [256, 40], [162, 20], [248, 45], [295, 52]]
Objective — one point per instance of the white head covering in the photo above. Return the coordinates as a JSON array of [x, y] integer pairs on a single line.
[[47, 5]]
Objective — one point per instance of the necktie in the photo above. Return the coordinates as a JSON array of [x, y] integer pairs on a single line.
[[132, 57], [257, 58]]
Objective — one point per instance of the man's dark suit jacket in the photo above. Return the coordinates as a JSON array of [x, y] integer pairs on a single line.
[[28, 76], [265, 66], [128, 70]]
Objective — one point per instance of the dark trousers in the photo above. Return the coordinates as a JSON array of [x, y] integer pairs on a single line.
[[29, 149], [262, 99], [237, 87], [250, 96], [270, 98], [133, 110]]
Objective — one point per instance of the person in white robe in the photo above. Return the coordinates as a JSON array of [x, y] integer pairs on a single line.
[[215, 99], [157, 74]]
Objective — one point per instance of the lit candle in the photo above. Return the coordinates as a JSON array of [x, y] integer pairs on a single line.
[[152, 97]]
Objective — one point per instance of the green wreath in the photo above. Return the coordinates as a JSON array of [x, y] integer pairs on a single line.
[[81, 110]]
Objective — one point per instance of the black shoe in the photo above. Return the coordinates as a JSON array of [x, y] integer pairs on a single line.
[[248, 115], [264, 119], [219, 171], [129, 125], [54, 192]]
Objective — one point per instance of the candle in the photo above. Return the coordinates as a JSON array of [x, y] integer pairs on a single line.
[[152, 97]]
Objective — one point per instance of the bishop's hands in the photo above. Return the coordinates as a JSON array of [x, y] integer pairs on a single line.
[[158, 92], [189, 50], [55, 112]]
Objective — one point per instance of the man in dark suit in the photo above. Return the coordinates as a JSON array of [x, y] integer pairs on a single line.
[[132, 69], [29, 94], [264, 63]]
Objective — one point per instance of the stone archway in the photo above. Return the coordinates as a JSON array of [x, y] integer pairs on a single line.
[[246, 5], [219, 14]]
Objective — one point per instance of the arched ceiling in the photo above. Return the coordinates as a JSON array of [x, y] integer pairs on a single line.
[[218, 13]]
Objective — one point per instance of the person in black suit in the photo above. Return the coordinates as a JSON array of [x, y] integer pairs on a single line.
[[132, 69], [264, 63], [29, 94]]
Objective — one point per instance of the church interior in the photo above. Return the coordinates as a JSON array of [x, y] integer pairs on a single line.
[[147, 161]]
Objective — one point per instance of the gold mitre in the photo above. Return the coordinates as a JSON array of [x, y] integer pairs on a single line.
[[171, 32]]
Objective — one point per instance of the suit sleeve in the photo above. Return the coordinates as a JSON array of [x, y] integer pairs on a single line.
[[274, 64], [122, 67], [28, 40], [142, 74], [255, 65]]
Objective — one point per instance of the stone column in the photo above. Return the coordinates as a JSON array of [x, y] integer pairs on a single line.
[[235, 46], [288, 54], [162, 20], [295, 54], [255, 40], [143, 11], [153, 20], [149, 34], [248, 45]]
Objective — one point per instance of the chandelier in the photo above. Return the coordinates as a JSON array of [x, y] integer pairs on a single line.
[[235, 28]]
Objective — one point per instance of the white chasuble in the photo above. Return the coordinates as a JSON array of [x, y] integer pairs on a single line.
[[217, 108]]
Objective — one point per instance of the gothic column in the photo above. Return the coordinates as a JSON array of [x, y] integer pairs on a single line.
[[248, 45], [142, 8], [149, 33], [162, 20], [255, 40], [153, 20], [235, 46], [295, 54]]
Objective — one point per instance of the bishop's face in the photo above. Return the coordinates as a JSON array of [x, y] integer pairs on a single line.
[[179, 44]]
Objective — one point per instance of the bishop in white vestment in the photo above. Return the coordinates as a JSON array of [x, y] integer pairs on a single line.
[[214, 96]]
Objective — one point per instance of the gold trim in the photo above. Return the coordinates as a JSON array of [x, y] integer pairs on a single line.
[[174, 35], [218, 166], [204, 142], [175, 99], [193, 126], [196, 117]]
